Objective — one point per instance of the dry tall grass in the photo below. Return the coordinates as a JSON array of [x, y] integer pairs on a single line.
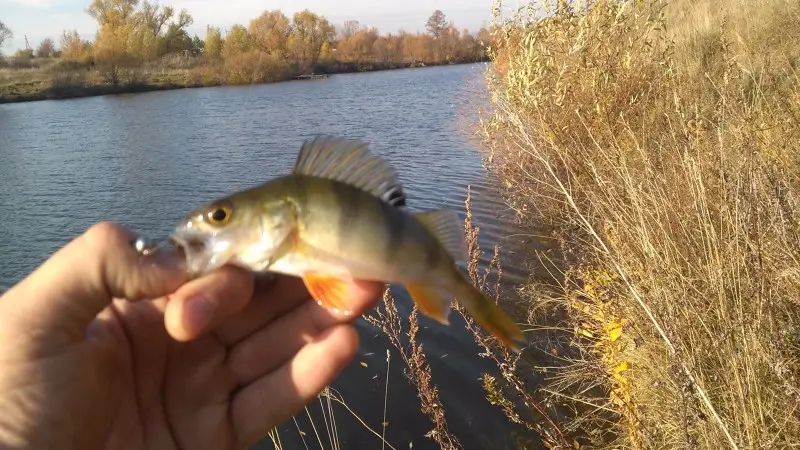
[[659, 140]]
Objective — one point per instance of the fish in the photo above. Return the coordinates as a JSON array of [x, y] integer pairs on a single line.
[[341, 215]]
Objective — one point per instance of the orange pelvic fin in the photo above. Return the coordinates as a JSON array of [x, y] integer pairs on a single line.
[[330, 292], [431, 301]]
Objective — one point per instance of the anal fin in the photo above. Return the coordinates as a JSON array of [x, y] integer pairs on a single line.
[[431, 302], [330, 292]]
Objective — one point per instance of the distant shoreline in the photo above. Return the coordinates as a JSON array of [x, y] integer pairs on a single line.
[[97, 90]]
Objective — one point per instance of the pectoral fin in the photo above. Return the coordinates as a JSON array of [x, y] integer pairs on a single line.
[[330, 292], [432, 302]]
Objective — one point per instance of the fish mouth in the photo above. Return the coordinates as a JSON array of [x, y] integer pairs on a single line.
[[188, 245], [194, 250]]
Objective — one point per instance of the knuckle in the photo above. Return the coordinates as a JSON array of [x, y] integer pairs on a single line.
[[104, 233], [112, 260]]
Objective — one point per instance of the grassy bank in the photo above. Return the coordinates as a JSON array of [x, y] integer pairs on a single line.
[[658, 142], [55, 79]]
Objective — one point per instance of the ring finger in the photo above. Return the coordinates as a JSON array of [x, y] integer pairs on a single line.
[[270, 347]]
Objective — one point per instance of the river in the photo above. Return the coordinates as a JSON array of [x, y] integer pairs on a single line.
[[143, 160]]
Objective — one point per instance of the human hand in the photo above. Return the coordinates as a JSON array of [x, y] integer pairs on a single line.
[[87, 360]]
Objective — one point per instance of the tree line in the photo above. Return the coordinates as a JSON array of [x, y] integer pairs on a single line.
[[131, 34]]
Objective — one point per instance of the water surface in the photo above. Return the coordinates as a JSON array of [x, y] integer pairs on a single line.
[[143, 160]]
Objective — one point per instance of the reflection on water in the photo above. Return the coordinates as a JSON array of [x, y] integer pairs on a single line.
[[143, 160]]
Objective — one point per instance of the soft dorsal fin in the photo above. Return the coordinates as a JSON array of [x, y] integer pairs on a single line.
[[350, 161], [448, 229]]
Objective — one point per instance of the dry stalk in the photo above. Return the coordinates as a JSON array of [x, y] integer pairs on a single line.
[[505, 360], [417, 369]]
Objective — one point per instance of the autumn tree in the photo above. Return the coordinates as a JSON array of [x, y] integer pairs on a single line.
[[309, 32], [364, 42], [483, 38], [165, 34], [116, 37], [5, 35], [436, 24], [349, 29], [73, 48], [176, 39], [237, 41], [388, 48], [112, 12], [154, 17], [326, 53], [121, 42], [358, 46], [113, 51], [46, 49], [449, 43], [418, 47], [213, 43], [270, 33], [466, 45]]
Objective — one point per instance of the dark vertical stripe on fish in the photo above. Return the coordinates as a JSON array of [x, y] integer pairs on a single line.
[[395, 224], [301, 190], [347, 199], [433, 253]]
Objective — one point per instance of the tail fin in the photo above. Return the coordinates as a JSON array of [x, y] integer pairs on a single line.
[[434, 302], [486, 312]]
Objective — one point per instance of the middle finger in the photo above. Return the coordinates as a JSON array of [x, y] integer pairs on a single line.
[[202, 303], [272, 346]]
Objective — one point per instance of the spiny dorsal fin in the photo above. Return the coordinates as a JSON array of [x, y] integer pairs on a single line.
[[350, 161], [448, 229]]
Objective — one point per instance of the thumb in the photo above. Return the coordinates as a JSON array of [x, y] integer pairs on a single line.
[[76, 283]]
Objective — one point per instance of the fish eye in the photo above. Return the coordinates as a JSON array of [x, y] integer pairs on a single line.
[[219, 215]]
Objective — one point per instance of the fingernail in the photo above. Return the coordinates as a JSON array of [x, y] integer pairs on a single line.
[[198, 314]]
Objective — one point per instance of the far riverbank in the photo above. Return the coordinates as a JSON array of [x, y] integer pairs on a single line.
[[58, 82]]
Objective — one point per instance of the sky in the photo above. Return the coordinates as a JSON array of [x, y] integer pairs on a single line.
[[39, 19]]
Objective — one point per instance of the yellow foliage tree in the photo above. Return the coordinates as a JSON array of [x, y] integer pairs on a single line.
[[213, 43], [112, 12], [309, 33], [73, 48], [116, 48], [270, 33], [237, 42]]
